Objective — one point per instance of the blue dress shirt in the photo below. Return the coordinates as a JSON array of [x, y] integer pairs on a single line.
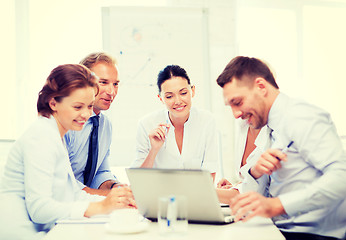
[[311, 183], [77, 143]]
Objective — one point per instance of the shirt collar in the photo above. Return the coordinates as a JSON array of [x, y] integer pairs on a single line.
[[277, 111], [93, 114], [191, 116], [262, 139]]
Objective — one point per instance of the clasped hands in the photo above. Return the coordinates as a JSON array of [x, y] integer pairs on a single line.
[[120, 197]]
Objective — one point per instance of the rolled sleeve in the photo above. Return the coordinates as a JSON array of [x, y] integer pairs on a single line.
[[328, 159], [291, 205], [101, 177]]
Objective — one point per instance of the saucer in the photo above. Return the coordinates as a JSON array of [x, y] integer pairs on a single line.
[[136, 228]]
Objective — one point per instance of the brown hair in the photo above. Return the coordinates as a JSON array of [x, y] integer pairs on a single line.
[[243, 68], [61, 82], [94, 58]]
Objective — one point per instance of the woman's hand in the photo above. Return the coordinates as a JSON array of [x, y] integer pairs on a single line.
[[157, 138], [121, 197], [224, 184], [158, 135]]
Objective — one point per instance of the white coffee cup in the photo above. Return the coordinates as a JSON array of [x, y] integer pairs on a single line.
[[124, 218]]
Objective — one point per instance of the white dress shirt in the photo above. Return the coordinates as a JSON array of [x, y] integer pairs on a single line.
[[38, 184], [311, 183], [200, 144]]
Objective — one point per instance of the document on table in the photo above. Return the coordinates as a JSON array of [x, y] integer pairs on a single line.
[[100, 219]]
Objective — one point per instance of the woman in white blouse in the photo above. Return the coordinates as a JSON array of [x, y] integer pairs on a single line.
[[38, 186], [180, 136]]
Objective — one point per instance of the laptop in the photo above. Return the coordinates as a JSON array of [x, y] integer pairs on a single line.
[[149, 184]]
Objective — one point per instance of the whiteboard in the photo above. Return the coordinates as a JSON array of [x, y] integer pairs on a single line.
[[144, 40]]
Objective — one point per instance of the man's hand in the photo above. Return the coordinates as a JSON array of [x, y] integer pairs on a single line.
[[224, 184], [268, 163], [247, 205]]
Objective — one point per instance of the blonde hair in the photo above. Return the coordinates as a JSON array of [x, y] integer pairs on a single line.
[[94, 58]]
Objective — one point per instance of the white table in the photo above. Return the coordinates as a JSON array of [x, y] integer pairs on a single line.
[[257, 229]]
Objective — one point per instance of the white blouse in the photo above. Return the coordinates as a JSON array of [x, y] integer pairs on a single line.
[[38, 183], [200, 143], [262, 142]]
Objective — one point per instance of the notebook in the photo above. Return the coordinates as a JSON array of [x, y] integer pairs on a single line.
[[148, 185]]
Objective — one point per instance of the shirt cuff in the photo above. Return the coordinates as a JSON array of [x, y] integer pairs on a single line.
[[84, 196], [292, 204], [251, 184], [101, 178], [80, 185], [78, 209]]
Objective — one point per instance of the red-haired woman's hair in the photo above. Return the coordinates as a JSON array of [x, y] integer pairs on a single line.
[[61, 82]]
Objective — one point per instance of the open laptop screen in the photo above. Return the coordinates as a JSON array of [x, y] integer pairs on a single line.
[[148, 185]]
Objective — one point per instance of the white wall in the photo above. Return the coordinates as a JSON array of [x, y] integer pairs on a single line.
[[50, 33], [5, 146], [55, 32], [8, 73], [305, 52]]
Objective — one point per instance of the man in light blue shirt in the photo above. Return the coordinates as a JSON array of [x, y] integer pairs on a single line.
[[104, 66], [302, 190]]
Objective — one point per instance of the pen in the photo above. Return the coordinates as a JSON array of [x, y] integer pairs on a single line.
[[166, 132], [286, 149]]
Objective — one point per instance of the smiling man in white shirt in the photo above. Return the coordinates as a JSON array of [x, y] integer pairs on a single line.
[[304, 190]]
